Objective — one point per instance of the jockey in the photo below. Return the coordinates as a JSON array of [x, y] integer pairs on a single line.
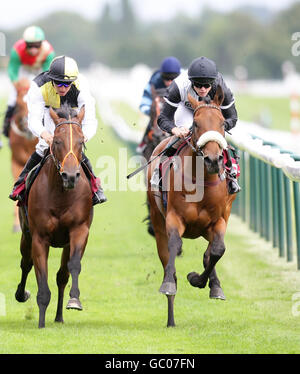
[[61, 84], [201, 80], [29, 56], [170, 68]]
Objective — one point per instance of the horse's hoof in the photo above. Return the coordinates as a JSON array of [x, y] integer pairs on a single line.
[[74, 303], [217, 293], [196, 280], [22, 298], [168, 288]]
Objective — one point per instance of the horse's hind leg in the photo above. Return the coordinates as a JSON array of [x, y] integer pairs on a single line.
[[26, 264], [62, 278]]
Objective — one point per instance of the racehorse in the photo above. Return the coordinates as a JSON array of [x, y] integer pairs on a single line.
[[154, 136], [22, 142], [59, 214], [186, 216]]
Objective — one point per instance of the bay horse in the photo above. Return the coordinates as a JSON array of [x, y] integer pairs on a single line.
[[202, 217], [59, 213], [21, 141]]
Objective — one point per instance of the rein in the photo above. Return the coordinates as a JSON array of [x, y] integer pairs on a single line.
[[60, 166]]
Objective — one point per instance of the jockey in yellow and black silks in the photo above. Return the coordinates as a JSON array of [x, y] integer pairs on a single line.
[[61, 84]]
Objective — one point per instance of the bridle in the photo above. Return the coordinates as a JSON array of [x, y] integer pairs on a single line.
[[198, 150], [60, 165]]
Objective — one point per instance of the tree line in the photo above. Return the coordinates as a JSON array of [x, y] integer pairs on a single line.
[[258, 40]]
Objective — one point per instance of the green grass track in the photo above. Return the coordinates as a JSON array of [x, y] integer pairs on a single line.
[[121, 274]]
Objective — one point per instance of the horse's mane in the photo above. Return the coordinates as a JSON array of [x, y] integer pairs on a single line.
[[66, 111]]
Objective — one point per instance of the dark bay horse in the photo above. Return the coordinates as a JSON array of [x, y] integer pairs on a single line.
[[59, 214], [188, 215], [21, 141], [155, 136]]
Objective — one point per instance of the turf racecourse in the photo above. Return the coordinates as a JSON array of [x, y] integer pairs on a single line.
[[123, 311]]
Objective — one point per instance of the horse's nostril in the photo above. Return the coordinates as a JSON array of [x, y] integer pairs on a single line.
[[64, 175], [77, 175]]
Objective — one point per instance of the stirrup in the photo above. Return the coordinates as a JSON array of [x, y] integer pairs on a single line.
[[99, 197]]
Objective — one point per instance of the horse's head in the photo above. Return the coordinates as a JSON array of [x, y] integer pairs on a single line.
[[208, 131], [67, 144]]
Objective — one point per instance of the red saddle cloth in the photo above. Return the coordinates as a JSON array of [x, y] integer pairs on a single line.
[[21, 189]]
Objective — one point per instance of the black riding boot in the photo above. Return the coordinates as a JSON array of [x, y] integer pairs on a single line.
[[34, 159], [98, 197], [233, 186], [7, 119]]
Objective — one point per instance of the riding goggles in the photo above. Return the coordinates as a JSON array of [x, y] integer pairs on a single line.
[[61, 84], [200, 85], [30, 45]]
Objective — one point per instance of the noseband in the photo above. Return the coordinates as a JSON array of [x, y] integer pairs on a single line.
[[58, 164]]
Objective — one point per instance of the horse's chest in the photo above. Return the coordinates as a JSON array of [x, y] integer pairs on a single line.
[[198, 221]]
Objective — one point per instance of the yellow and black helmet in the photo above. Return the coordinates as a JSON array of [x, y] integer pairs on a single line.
[[63, 69]]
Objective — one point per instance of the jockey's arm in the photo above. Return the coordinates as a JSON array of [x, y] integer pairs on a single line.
[[146, 102], [36, 109], [89, 123], [14, 66], [228, 106], [47, 62], [165, 120]]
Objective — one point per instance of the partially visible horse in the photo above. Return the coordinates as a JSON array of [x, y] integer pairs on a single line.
[[59, 214], [188, 215], [155, 135], [22, 142]]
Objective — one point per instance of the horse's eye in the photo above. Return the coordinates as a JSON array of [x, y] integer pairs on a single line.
[[57, 141]]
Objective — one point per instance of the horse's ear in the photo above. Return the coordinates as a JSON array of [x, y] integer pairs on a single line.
[[194, 102], [219, 96], [53, 115], [81, 114]]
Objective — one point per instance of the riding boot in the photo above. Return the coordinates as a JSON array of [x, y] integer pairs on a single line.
[[19, 187], [98, 196], [7, 119], [233, 186]]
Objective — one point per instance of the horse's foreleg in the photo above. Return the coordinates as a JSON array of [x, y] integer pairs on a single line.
[[78, 240], [216, 291], [216, 250], [26, 264], [62, 278], [40, 251]]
